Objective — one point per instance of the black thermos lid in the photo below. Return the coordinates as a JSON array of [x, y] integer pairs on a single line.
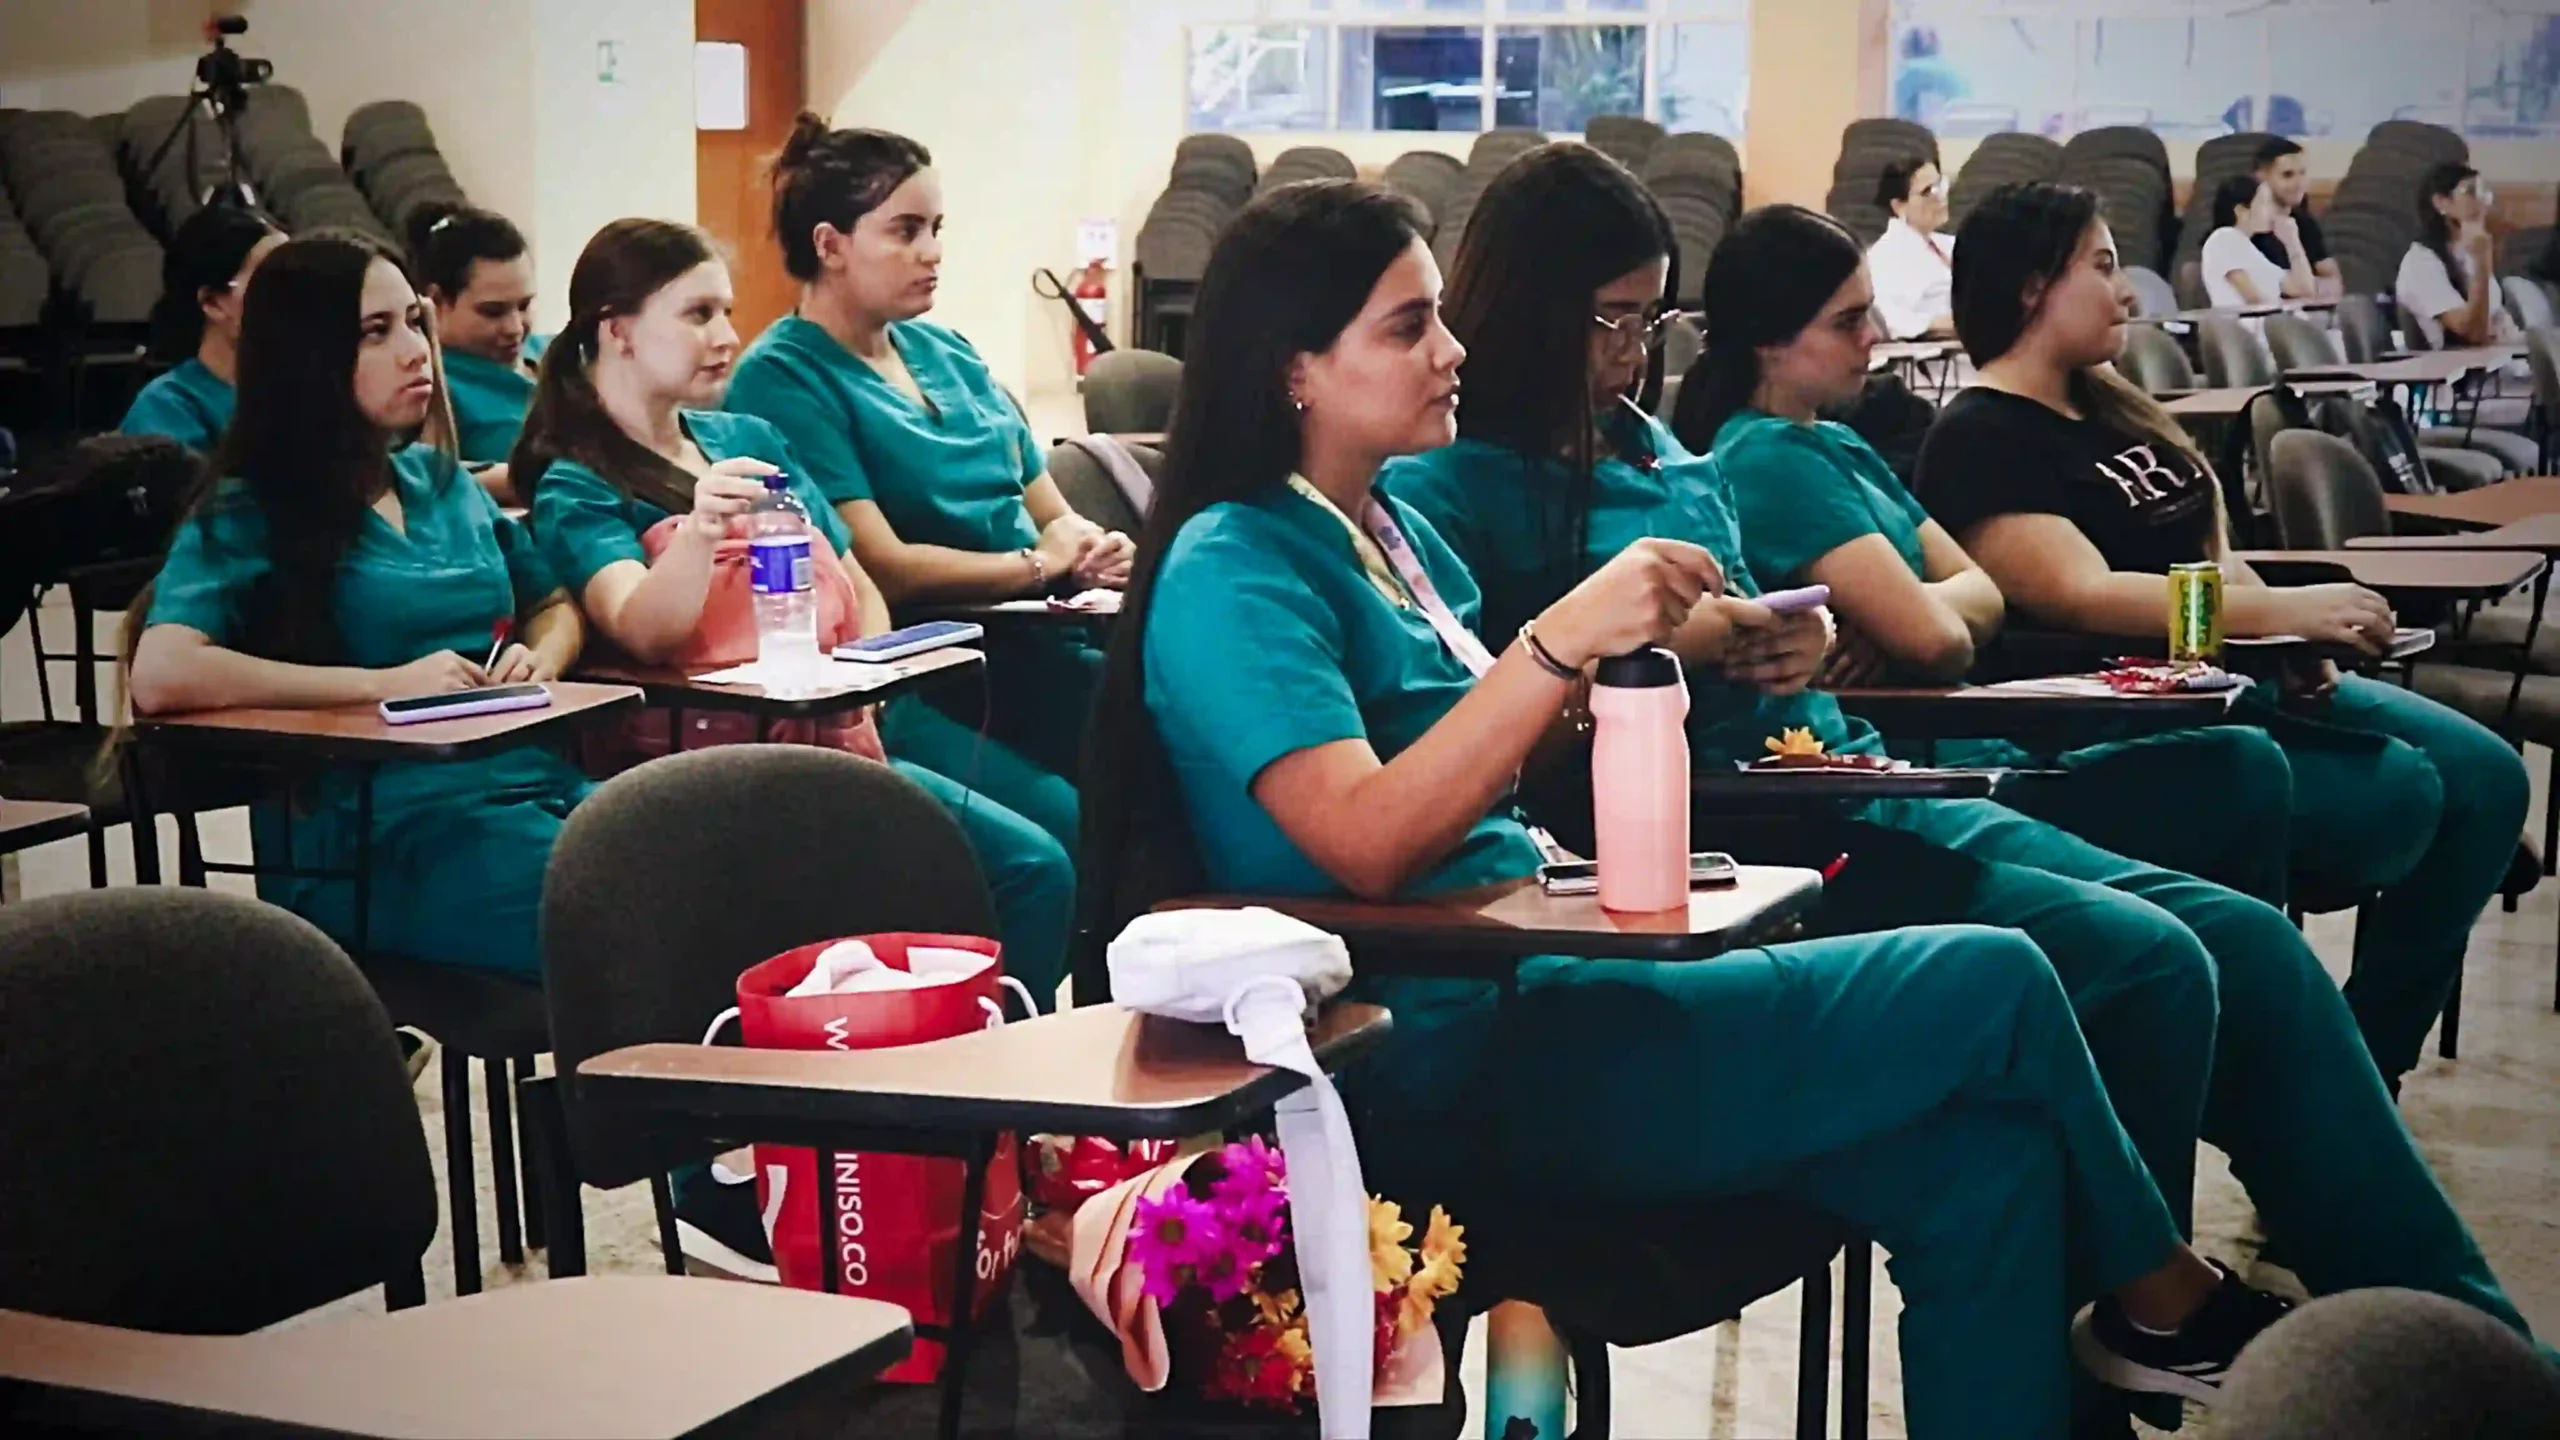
[[1651, 668]]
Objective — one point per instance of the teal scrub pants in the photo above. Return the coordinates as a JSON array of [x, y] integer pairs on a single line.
[[1038, 697], [1028, 874], [1928, 1086], [913, 730], [2427, 812]]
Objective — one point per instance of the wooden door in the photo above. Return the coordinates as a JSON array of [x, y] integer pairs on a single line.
[[732, 199]]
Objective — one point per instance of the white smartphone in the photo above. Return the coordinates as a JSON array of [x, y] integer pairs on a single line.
[[913, 640], [487, 700], [1787, 602], [1708, 870]]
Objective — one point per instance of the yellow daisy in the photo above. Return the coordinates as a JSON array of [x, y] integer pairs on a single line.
[[1389, 1261]]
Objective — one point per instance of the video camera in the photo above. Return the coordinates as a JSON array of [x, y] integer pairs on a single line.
[[225, 74]]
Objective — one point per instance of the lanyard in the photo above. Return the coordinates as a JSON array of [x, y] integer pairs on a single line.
[[1407, 583]]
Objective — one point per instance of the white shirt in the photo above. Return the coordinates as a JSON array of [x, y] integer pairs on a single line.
[[2426, 291], [1914, 276], [2226, 250]]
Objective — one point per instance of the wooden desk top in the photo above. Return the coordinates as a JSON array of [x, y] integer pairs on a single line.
[[25, 824], [357, 733], [1980, 712], [2457, 574], [2241, 312], [1493, 926], [2230, 401], [1017, 613], [2536, 534], [2427, 367], [666, 685], [596, 1355], [1726, 788], [1095, 1070], [2486, 508], [1910, 352]]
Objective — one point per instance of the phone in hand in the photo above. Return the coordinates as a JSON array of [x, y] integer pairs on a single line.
[[1788, 602], [913, 640], [1708, 870], [486, 700]]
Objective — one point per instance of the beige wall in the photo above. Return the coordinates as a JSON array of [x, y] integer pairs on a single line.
[[1804, 90], [508, 84]]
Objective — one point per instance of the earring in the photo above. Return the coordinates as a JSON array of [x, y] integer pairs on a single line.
[[1297, 404]]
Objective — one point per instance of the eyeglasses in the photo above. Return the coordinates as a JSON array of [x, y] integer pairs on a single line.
[[1638, 330]]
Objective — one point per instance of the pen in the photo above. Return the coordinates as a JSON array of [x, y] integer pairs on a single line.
[[497, 641]]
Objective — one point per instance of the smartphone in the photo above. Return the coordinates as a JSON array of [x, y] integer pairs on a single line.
[[913, 640], [487, 700], [1787, 602], [1708, 870]]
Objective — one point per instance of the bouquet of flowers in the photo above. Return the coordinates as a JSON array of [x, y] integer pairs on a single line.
[[1212, 1252]]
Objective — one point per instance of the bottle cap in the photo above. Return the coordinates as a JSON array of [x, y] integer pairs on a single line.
[[1652, 668], [778, 482]]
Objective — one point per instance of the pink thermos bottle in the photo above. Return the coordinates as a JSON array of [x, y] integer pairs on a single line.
[[1640, 781]]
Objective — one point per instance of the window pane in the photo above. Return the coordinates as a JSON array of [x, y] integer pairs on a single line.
[[2515, 72], [1556, 77], [1439, 7], [1964, 73], [1424, 77], [1257, 77], [2337, 78], [2186, 77], [1704, 77]]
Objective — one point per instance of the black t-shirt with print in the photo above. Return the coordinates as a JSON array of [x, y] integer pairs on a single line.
[[1991, 453], [2315, 246]]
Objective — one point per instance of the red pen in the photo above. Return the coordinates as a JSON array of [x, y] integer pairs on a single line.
[[497, 640]]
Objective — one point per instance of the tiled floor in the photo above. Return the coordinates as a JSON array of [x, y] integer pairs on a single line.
[[2490, 1123]]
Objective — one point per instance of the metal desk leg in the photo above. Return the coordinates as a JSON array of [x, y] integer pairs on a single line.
[[961, 1332]]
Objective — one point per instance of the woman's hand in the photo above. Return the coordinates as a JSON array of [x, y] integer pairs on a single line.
[[1065, 543], [1106, 565], [441, 673], [1854, 660], [1635, 600], [1780, 657], [522, 665], [732, 487], [2308, 679], [2339, 615]]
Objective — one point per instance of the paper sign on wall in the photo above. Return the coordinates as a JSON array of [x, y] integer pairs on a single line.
[[1097, 241], [719, 85]]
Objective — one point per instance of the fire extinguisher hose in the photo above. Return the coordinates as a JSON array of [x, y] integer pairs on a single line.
[[1056, 290]]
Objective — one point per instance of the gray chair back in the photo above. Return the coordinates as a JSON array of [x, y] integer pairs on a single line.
[[2362, 332], [2322, 492], [1131, 392], [675, 876], [2154, 360], [1092, 493], [2188, 286], [2542, 352], [2152, 294], [2298, 344], [2528, 302], [207, 1124], [2233, 356], [2385, 1364]]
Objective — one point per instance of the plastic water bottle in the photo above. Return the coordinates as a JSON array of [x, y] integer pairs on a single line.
[[779, 551], [1640, 781]]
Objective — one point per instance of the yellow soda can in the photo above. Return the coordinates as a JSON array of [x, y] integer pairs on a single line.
[[2195, 613]]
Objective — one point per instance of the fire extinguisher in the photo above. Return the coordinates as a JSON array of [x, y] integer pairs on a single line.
[[1088, 303]]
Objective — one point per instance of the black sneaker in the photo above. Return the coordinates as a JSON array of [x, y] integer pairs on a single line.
[[2190, 1362], [719, 1227]]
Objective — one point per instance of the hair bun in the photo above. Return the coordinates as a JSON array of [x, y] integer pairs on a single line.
[[809, 132]]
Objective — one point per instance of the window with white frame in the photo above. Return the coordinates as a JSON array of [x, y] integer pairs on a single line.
[[2192, 69], [1470, 65]]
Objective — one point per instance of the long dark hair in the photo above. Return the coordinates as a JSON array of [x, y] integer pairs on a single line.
[[206, 253], [2026, 235], [627, 262], [447, 238], [2235, 193], [1558, 223], [833, 177], [1290, 273], [2434, 231], [1772, 275], [311, 460]]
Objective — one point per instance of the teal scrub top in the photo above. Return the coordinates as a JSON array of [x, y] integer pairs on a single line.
[[188, 403], [1803, 491], [439, 583], [1265, 637], [1501, 512], [950, 473], [583, 523], [489, 401]]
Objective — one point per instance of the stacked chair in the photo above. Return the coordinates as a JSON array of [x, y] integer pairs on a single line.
[[1698, 179], [1627, 139], [1213, 175], [2373, 217], [63, 184], [1307, 162], [1866, 147], [1486, 158], [1429, 177], [196, 160], [297, 178], [2217, 160], [2128, 168], [25, 279], [392, 154], [2012, 157]]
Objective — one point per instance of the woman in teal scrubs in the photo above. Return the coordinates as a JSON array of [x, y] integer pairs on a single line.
[[1566, 250], [323, 569], [1279, 700], [479, 276], [196, 325], [617, 443], [925, 456], [2076, 492]]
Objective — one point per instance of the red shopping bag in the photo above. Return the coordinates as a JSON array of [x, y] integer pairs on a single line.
[[889, 1223]]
